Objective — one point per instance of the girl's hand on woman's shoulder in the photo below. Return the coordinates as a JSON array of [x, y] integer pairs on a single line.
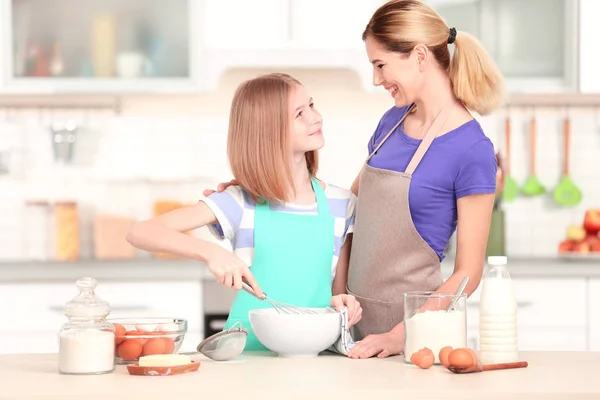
[[354, 309]]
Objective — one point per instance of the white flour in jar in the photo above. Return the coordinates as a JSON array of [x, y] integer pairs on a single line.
[[435, 330], [86, 352]]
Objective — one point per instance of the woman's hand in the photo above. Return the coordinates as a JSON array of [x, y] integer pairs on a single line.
[[354, 309], [220, 187], [230, 271], [383, 345]]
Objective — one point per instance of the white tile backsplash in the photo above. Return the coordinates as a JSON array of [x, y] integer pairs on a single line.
[[163, 149]]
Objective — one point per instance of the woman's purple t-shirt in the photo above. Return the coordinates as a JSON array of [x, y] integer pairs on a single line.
[[459, 163]]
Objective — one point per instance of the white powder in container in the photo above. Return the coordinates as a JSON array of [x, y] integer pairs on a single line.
[[86, 352], [435, 330]]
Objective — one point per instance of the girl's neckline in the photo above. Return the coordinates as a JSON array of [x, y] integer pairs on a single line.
[[302, 206]]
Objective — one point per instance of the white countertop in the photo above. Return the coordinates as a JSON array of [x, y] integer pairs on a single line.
[[550, 375], [165, 270]]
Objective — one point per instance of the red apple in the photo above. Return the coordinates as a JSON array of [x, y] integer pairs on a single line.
[[566, 246], [581, 247], [593, 241], [591, 221]]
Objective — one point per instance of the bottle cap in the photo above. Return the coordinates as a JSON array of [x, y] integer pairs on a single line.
[[497, 260]]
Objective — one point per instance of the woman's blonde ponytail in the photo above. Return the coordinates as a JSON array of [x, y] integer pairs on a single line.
[[476, 80]]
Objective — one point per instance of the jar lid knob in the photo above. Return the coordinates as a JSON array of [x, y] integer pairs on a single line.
[[86, 303]]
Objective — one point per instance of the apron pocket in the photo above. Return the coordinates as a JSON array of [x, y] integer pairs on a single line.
[[378, 316]]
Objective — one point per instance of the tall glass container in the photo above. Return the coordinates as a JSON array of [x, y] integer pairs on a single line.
[[427, 322]]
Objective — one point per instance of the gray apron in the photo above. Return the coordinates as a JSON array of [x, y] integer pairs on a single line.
[[388, 255]]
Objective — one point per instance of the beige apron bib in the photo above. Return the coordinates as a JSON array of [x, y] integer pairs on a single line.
[[388, 255]]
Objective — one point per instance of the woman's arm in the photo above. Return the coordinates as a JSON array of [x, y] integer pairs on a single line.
[[474, 220]]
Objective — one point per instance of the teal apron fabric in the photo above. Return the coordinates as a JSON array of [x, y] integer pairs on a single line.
[[292, 261]]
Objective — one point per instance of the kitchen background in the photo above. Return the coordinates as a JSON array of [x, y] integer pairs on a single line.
[[115, 111]]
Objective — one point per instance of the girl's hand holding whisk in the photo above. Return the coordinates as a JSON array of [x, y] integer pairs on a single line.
[[354, 309], [231, 270]]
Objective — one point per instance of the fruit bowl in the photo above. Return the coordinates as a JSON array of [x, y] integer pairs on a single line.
[[136, 337]]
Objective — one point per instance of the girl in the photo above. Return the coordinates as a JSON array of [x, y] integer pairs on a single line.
[[283, 222]]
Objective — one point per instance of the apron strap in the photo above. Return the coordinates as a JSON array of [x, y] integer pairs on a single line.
[[411, 109], [322, 202], [431, 134]]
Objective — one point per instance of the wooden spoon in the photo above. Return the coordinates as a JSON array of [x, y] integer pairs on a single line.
[[488, 367]]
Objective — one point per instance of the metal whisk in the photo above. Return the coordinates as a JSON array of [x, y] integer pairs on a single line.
[[280, 307]]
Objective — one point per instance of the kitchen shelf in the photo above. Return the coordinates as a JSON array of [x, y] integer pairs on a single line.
[[553, 100]]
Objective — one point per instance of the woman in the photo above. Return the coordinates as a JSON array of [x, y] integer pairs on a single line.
[[428, 142]]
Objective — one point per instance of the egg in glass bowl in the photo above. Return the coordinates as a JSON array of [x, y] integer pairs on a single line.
[[137, 337]]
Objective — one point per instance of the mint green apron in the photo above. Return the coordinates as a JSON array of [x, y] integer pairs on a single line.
[[292, 261]]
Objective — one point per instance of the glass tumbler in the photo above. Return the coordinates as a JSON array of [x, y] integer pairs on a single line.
[[427, 323]]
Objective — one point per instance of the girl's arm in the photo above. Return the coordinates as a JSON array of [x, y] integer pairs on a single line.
[[341, 272], [164, 233], [340, 297]]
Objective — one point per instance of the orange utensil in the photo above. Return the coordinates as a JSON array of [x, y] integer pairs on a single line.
[[488, 367]]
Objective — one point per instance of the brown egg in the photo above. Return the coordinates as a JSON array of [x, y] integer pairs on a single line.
[[119, 333], [425, 351], [416, 358], [154, 346], [473, 355], [130, 350], [460, 358], [137, 333], [426, 361], [443, 355], [169, 345]]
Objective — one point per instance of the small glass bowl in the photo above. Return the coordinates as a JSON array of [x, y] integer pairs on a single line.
[[136, 337]]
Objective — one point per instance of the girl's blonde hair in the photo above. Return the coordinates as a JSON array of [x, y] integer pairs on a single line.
[[399, 25], [258, 144]]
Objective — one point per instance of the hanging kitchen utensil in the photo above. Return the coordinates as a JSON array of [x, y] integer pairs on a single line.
[[566, 194], [64, 136], [533, 186], [511, 188]]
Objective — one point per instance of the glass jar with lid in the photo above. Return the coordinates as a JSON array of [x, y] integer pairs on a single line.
[[87, 341]]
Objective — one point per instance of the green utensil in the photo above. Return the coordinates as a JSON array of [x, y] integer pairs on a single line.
[[511, 189], [566, 194], [533, 186]]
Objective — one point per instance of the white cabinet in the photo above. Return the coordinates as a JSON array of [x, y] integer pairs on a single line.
[[534, 42], [280, 34], [244, 25], [36, 315], [552, 314], [589, 57], [333, 24], [594, 312], [67, 46]]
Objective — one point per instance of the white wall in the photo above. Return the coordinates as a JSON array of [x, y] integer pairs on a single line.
[[181, 142]]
